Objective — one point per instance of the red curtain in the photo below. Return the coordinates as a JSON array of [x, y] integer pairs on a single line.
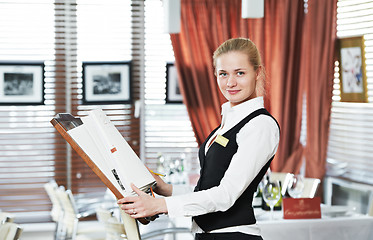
[[318, 58], [205, 24], [283, 40]]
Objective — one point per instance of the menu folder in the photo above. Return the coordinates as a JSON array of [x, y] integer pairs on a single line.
[[98, 142]]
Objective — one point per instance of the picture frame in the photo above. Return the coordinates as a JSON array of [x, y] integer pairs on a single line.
[[173, 94], [107, 82], [352, 69], [22, 83]]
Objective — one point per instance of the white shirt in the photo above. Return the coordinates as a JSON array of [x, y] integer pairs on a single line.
[[257, 142]]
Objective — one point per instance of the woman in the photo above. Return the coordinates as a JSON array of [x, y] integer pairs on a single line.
[[233, 159]]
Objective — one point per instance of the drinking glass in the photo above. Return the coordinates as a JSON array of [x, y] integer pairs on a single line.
[[271, 193], [296, 186]]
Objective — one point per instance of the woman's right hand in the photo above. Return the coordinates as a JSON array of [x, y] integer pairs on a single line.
[[162, 188]]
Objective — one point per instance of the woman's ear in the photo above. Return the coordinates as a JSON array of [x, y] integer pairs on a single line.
[[258, 70]]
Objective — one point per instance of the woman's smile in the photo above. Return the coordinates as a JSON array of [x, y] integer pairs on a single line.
[[232, 92]]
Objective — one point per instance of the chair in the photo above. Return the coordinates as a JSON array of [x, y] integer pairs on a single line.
[[56, 212], [133, 233], [283, 178], [71, 217], [370, 207], [113, 228], [6, 217], [10, 231], [310, 187], [103, 214]]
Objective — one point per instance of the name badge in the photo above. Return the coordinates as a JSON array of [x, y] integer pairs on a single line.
[[222, 140]]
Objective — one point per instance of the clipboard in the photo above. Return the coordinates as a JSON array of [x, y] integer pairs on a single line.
[[64, 122]]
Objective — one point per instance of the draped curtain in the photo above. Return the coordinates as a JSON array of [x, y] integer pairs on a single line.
[[318, 58], [279, 36]]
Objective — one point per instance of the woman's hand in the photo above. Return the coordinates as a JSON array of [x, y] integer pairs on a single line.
[[142, 205], [162, 188]]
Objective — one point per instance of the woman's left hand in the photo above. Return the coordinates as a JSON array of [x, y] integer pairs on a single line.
[[142, 205]]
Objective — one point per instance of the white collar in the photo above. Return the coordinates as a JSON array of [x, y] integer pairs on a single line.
[[244, 108]]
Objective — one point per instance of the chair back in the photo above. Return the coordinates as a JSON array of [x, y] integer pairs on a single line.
[[283, 178], [103, 214], [310, 187], [51, 189], [113, 228], [70, 219], [370, 207], [6, 217], [10, 231]]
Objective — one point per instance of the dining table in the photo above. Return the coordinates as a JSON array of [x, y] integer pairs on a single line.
[[336, 223]]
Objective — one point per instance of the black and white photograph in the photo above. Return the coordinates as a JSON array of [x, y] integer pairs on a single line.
[[21, 83], [173, 94], [106, 82]]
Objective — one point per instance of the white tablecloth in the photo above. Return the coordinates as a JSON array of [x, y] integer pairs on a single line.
[[347, 227], [335, 226]]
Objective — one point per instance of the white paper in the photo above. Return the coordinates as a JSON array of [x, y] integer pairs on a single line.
[[97, 136], [86, 143]]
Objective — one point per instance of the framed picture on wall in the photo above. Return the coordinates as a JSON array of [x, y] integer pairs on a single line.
[[106, 82], [21, 83], [173, 94], [352, 69]]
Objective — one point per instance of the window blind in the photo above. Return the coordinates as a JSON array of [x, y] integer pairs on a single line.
[[62, 34], [104, 34], [350, 148], [29, 155], [168, 131]]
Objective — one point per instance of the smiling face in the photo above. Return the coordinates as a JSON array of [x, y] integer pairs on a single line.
[[236, 77]]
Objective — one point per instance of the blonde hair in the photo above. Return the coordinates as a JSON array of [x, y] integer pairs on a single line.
[[246, 46]]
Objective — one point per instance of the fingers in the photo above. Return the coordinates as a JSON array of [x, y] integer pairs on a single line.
[[129, 208], [139, 206], [131, 199], [131, 204], [137, 190], [127, 200]]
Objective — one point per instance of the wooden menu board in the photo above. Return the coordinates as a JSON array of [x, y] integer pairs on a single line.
[[65, 122]]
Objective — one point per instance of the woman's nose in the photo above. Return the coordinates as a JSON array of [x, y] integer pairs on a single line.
[[231, 81]]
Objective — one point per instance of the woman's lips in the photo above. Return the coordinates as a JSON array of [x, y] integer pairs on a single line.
[[232, 92]]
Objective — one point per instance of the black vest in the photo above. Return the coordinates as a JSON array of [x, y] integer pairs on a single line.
[[213, 167]]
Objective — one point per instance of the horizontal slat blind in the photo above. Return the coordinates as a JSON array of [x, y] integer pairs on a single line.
[[104, 35], [350, 150], [28, 157], [62, 34], [168, 130]]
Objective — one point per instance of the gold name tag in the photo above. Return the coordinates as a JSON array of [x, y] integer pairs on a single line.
[[222, 140]]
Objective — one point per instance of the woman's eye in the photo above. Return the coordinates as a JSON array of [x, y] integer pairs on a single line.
[[222, 74], [240, 73]]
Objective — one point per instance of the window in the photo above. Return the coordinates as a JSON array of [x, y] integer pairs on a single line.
[[168, 130], [350, 142], [104, 34], [28, 156], [62, 34]]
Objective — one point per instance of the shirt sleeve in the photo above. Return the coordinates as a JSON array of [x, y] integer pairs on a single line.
[[257, 142]]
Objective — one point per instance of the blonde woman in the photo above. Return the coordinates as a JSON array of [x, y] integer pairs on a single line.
[[233, 159]]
